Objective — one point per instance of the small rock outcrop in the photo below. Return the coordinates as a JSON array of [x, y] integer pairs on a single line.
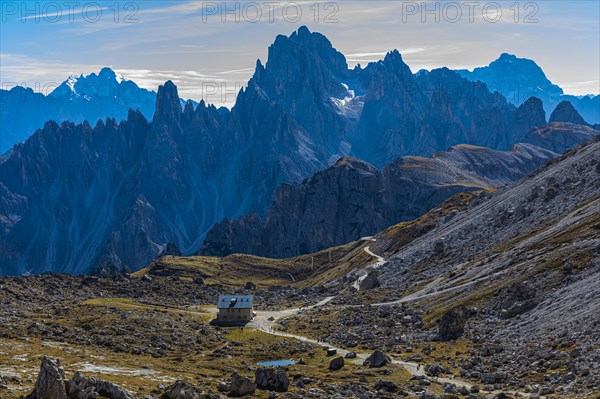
[[181, 390], [371, 281], [51, 381], [336, 364], [241, 386], [565, 112], [377, 359], [451, 325], [51, 384], [80, 387], [269, 379], [387, 386]]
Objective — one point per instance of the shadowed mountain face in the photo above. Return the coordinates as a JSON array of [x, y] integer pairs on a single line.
[[116, 194], [352, 199], [75, 197], [518, 79], [406, 114], [529, 115]]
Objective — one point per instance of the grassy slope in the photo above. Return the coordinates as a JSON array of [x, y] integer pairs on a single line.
[[303, 271]]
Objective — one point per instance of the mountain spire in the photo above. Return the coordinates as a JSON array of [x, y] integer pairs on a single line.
[[168, 104], [565, 112]]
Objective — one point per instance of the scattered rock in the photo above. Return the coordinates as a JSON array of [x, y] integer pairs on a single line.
[[181, 390], [377, 359], [241, 386], [388, 386], [90, 388], [199, 280], [269, 379], [451, 325], [224, 386], [371, 281], [336, 364], [51, 381]]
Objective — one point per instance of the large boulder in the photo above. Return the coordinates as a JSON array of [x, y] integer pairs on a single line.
[[451, 325], [269, 379], [387, 386], [51, 381], [51, 384], [181, 390], [80, 387], [241, 386], [336, 364], [377, 359], [371, 281]]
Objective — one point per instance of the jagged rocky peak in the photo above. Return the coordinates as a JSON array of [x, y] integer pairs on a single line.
[[302, 53], [565, 112], [535, 108], [250, 95], [319, 44], [168, 104], [395, 58], [259, 71], [188, 108], [506, 57], [528, 116], [516, 78], [388, 77], [508, 64], [392, 64], [106, 82], [109, 74]]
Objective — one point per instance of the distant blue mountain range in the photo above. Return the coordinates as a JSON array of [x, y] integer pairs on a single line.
[[518, 79], [107, 95], [84, 98]]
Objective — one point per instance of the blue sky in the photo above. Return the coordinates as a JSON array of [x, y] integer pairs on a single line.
[[190, 43]]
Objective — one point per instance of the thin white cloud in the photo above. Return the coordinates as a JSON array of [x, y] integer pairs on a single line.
[[580, 88]]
